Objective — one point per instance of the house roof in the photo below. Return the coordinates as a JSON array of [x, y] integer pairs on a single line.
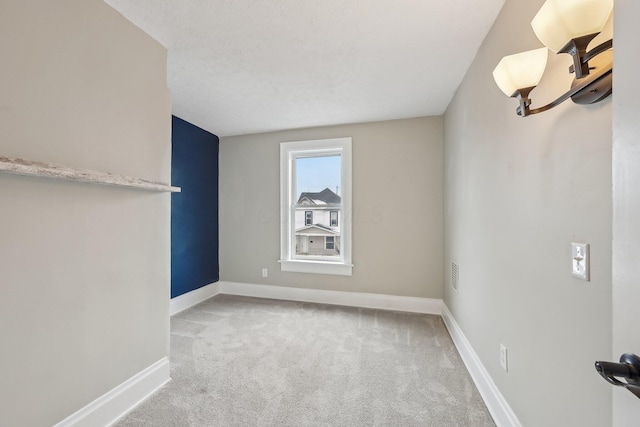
[[325, 196], [317, 230]]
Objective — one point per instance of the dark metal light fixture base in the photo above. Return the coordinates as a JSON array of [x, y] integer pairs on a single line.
[[598, 89]]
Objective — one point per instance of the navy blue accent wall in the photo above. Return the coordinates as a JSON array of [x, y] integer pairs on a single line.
[[194, 211]]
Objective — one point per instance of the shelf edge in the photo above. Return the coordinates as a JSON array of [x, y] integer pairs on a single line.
[[18, 166]]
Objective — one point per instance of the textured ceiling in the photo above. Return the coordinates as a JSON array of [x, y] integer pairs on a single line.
[[246, 66]]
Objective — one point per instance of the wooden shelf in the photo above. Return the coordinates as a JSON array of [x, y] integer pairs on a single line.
[[46, 170]]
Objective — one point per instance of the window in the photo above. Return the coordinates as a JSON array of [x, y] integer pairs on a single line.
[[329, 243], [334, 219], [315, 181]]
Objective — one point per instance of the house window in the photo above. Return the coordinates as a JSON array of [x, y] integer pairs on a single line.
[[334, 219], [316, 175], [329, 243]]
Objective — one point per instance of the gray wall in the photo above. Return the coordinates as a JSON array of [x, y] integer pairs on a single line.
[[397, 203], [517, 193], [84, 269], [626, 202]]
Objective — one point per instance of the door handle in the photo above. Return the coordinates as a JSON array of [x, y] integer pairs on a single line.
[[628, 369]]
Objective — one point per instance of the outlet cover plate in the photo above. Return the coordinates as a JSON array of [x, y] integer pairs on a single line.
[[503, 358]]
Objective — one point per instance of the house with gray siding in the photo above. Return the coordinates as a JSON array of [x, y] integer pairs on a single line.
[[317, 223]]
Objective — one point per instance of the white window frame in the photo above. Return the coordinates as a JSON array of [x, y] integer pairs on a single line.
[[289, 152]]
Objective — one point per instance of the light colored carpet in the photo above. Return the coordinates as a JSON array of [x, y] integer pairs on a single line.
[[239, 361]]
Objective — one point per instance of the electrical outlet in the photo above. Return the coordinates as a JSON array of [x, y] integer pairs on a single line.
[[503, 357], [265, 272]]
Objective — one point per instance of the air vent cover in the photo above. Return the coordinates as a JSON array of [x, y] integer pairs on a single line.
[[455, 275]]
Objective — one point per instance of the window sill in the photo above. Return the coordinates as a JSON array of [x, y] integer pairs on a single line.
[[316, 267]]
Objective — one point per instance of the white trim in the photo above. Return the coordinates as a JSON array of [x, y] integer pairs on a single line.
[[498, 406], [111, 406], [352, 299], [188, 300], [316, 267]]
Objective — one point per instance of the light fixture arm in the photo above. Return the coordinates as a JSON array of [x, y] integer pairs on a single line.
[[594, 52], [577, 48], [596, 87]]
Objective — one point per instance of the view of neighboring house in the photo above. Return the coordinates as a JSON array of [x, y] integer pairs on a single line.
[[317, 224]]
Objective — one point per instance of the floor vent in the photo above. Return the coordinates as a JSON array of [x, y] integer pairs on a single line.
[[455, 275]]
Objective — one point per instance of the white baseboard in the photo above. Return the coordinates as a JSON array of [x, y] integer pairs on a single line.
[[500, 410], [110, 407], [188, 300], [352, 299]]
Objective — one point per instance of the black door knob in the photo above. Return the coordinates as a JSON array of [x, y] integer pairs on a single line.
[[628, 370]]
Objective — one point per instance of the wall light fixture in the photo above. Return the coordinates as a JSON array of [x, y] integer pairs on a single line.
[[563, 26]]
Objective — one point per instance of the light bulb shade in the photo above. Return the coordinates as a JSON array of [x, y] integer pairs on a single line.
[[559, 21], [520, 71]]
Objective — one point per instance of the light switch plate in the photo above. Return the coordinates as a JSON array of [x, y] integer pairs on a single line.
[[580, 260]]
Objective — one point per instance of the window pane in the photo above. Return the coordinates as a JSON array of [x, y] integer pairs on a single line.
[[317, 184], [329, 242], [314, 174]]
